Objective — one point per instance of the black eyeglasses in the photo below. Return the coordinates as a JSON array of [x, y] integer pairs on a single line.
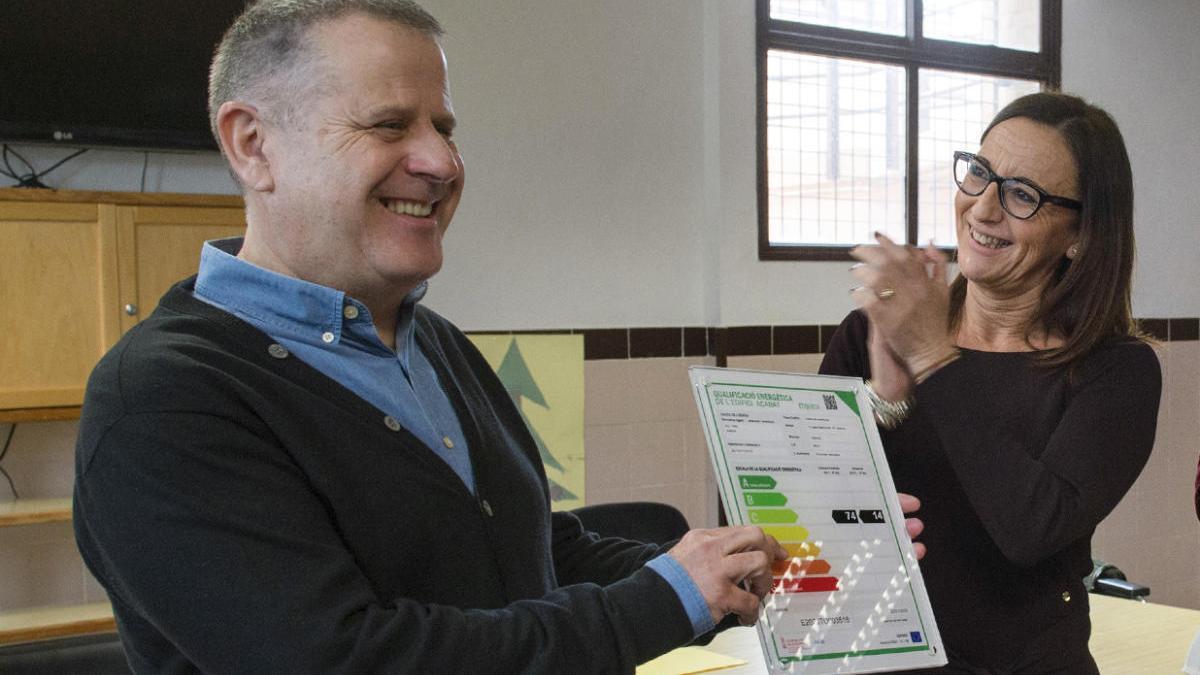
[[1020, 198]]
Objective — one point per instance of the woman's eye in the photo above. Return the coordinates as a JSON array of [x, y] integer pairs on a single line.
[[1024, 195]]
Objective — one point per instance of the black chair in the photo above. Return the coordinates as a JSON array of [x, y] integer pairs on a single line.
[[91, 654], [651, 522]]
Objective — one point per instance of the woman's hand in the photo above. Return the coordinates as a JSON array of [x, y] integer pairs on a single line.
[[905, 296]]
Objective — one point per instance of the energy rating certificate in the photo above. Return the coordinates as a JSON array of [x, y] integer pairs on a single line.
[[799, 456]]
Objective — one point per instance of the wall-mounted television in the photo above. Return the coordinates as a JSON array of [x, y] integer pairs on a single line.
[[123, 73]]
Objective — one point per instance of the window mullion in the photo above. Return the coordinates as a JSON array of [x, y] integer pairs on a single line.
[[912, 158]]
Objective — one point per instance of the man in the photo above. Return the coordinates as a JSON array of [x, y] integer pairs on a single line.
[[293, 466]]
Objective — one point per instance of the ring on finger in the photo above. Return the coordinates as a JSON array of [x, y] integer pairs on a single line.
[[885, 293]]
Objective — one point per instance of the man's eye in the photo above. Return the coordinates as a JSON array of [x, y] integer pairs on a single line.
[[978, 171]]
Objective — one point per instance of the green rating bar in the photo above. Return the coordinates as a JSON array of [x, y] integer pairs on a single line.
[[751, 482], [773, 516], [764, 498]]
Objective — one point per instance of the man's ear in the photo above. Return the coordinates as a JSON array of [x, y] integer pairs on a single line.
[[240, 128]]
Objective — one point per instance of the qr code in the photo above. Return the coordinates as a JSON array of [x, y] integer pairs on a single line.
[[830, 401]]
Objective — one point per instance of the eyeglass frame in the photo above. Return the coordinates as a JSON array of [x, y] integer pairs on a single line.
[[1044, 197]]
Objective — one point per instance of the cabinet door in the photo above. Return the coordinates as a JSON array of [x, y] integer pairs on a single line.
[[58, 299], [159, 245]]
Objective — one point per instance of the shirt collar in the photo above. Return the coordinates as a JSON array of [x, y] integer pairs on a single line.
[[299, 309]]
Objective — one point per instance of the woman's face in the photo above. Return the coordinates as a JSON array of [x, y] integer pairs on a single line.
[[1001, 253]]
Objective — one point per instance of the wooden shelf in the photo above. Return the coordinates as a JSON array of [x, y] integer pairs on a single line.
[[55, 622], [39, 414], [32, 511], [122, 198]]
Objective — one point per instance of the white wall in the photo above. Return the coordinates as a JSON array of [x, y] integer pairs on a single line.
[[1140, 61], [611, 162]]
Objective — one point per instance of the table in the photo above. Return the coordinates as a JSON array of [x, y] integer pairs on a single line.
[[1128, 637]]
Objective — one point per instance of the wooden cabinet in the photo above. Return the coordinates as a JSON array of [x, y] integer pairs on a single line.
[[78, 269]]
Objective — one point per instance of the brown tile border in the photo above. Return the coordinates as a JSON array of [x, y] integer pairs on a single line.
[[1155, 328], [746, 340], [722, 342], [605, 343], [1183, 330], [647, 343], [695, 341], [796, 339]]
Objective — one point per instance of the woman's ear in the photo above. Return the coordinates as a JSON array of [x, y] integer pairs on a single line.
[[241, 130]]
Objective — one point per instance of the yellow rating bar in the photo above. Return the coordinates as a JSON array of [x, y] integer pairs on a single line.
[[786, 532]]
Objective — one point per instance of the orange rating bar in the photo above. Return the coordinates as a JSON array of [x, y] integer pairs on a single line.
[[805, 585], [802, 549], [794, 567]]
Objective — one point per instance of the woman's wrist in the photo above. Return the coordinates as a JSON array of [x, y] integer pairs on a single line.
[[889, 413]]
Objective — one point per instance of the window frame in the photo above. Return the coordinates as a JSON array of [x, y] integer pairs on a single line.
[[911, 51]]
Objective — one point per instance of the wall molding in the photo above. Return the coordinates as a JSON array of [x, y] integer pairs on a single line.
[[726, 341]]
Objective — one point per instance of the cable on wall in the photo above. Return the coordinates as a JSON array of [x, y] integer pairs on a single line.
[[31, 178], [12, 428]]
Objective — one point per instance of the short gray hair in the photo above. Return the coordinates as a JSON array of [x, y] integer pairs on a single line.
[[268, 43]]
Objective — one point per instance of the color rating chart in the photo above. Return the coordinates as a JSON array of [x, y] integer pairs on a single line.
[[797, 456]]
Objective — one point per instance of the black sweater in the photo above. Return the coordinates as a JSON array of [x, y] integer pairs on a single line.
[[248, 514], [1015, 465]]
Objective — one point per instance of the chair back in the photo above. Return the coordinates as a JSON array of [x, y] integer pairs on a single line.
[[651, 522]]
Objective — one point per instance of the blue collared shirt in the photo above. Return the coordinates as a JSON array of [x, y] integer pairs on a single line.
[[335, 334]]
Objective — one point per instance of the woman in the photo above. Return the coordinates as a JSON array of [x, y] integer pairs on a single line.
[[1019, 402]]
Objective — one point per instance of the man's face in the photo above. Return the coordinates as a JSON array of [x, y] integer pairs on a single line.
[[365, 175]]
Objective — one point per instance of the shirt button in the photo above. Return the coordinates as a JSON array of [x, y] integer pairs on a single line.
[[447, 442], [1066, 596], [391, 423], [277, 350], [327, 337], [350, 312], [487, 508]]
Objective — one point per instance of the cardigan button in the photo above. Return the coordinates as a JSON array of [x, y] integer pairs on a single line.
[[1066, 596], [391, 423], [277, 350], [487, 508]]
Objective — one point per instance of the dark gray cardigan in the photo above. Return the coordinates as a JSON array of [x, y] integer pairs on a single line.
[[246, 513]]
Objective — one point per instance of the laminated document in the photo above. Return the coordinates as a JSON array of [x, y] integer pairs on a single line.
[[800, 456]]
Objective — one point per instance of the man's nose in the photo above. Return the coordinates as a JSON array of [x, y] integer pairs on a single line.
[[432, 156]]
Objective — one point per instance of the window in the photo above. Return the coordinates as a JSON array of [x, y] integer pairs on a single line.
[[862, 104]]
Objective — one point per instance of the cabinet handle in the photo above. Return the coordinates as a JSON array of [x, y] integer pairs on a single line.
[[131, 309]]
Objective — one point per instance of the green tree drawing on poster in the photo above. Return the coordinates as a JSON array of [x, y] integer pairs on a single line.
[[519, 383]]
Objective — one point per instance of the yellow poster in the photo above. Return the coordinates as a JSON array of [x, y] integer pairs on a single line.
[[544, 376]]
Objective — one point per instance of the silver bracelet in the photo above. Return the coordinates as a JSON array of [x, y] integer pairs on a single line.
[[888, 414]]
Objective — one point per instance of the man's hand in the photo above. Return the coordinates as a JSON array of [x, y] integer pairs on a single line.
[[731, 566], [914, 526]]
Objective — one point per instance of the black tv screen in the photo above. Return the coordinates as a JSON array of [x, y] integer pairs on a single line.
[[127, 73]]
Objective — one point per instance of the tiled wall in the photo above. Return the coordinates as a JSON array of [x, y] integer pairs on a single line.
[[1153, 534], [643, 441]]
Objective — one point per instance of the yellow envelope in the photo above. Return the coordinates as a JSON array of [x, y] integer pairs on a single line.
[[687, 660]]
